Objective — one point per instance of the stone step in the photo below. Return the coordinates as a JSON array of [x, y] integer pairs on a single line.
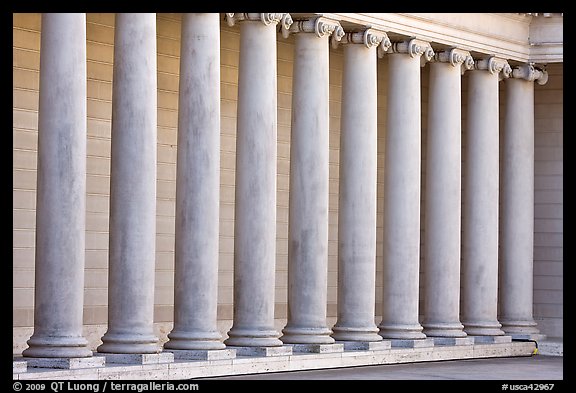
[[255, 364]]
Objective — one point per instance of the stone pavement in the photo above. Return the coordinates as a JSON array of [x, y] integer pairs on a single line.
[[532, 368]]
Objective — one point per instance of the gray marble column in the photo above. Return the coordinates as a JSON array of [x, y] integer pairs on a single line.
[[443, 196], [255, 210], [132, 189], [61, 190], [517, 203], [197, 187], [480, 205], [357, 190], [308, 202], [402, 192]]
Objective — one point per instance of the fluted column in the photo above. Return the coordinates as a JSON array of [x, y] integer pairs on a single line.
[[308, 203], [480, 205], [255, 211], [357, 189], [132, 189], [517, 203], [402, 192], [197, 187], [61, 190], [443, 198]]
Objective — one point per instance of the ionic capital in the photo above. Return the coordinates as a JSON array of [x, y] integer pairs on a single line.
[[321, 26], [494, 65], [369, 37], [456, 57], [267, 18], [530, 73], [414, 47]]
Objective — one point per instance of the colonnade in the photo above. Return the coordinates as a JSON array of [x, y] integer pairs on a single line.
[[457, 239]]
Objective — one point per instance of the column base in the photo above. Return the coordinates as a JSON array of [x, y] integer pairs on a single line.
[[513, 327], [447, 330], [366, 345], [210, 354], [452, 341], [285, 350], [407, 343], [401, 331], [491, 339], [302, 335], [187, 340], [136, 344], [317, 348], [346, 333], [241, 337], [138, 358], [67, 363], [489, 328], [57, 347], [19, 366]]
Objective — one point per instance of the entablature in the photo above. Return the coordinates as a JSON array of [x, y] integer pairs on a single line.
[[519, 38]]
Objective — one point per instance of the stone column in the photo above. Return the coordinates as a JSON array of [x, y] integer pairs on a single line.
[[308, 214], [357, 190], [197, 191], [61, 190], [402, 195], [517, 204], [132, 189], [480, 207], [443, 199], [255, 211]]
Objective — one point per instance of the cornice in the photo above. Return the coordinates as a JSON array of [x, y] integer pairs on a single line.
[[509, 39], [516, 37]]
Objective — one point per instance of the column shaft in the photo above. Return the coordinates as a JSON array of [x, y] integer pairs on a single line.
[[402, 200], [255, 211], [197, 187], [442, 204], [132, 188], [517, 209], [308, 214], [357, 197], [480, 207], [61, 190]]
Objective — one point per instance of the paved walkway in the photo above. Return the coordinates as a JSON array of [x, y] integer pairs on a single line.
[[532, 368]]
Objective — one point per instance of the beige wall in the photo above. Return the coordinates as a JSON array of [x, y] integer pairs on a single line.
[[548, 202], [100, 36]]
